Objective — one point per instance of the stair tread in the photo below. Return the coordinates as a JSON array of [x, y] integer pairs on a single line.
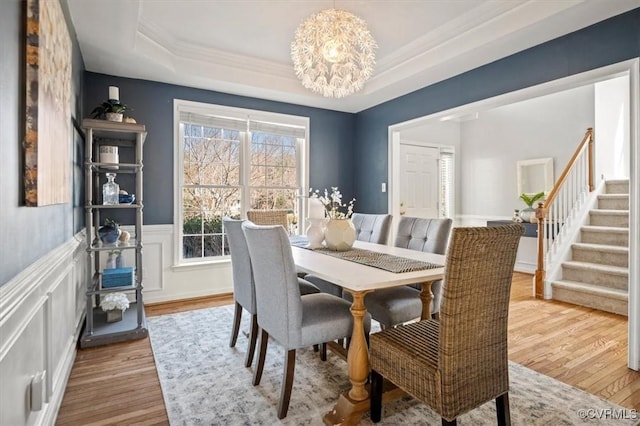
[[614, 196], [601, 247], [615, 181], [612, 212], [607, 229], [597, 267], [591, 288]]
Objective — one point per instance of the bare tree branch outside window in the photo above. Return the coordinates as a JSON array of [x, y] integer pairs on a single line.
[[212, 187]]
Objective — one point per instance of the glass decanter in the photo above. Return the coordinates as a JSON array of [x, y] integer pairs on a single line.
[[111, 191]]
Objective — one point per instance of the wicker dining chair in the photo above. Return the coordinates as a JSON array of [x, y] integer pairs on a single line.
[[460, 362], [269, 217]]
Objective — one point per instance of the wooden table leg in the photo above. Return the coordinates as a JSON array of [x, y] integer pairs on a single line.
[[426, 295], [350, 406]]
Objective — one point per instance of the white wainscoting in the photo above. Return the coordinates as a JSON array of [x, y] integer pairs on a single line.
[[527, 257], [41, 312], [164, 282]]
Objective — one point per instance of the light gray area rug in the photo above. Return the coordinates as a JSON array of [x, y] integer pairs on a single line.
[[204, 382]]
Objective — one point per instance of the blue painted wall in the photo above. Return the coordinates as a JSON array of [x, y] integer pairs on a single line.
[[27, 233], [608, 42], [331, 135]]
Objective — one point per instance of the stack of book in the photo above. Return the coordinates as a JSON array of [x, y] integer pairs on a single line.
[[117, 277]]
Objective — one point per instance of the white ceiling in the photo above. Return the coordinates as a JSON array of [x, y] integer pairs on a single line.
[[242, 46]]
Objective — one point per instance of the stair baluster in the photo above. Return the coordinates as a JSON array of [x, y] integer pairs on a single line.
[[562, 203]]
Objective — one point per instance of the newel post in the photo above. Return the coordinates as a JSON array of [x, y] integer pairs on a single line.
[[541, 213]]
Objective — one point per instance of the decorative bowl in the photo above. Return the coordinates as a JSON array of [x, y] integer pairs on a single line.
[[127, 198], [109, 233]]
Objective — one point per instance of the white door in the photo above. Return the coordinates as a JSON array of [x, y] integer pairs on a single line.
[[418, 180]]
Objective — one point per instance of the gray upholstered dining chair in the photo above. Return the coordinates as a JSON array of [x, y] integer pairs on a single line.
[[243, 285], [272, 217], [372, 228], [291, 319], [397, 305], [459, 362]]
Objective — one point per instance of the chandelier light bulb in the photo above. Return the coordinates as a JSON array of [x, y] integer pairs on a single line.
[[333, 53]]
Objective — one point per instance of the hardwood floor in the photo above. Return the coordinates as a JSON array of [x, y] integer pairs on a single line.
[[579, 346], [118, 384]]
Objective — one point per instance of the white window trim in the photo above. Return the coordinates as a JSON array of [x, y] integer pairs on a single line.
[[239, 113], [448, 149]]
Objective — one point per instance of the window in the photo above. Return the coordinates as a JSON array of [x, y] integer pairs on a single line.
[[446, 201], [230, 160]]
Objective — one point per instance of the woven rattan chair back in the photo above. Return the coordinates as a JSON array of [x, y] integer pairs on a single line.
[[473, 316], [460, 362], [269, 217]]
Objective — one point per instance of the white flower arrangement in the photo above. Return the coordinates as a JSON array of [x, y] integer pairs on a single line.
[[113, 301], [333, 202]]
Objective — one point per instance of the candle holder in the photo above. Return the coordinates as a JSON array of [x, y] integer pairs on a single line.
[[315, 232]]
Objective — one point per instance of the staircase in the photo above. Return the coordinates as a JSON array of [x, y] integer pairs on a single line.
[[597, 276]]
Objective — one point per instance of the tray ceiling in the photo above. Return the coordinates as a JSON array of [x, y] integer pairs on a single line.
[[242, 47]]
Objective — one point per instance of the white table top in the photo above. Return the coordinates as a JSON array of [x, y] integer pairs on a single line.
[[356, 277]]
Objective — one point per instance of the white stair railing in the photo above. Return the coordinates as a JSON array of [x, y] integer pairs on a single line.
[[557, 213]]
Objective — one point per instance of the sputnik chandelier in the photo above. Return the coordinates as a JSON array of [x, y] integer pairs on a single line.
[[333, 53]]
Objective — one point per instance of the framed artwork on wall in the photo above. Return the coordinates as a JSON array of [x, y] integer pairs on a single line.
[[78, 177], [46, 145]]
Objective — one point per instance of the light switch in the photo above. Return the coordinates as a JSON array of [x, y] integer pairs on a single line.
[[37, 387], [384, 187]]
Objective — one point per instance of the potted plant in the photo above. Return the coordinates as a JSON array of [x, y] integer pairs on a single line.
[[110, 110], [340, 233], [114, 304], [529, 199]]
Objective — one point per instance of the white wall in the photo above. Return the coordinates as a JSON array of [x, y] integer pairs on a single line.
[[548, 126], [612, 130], [436, 133], [489, 143]]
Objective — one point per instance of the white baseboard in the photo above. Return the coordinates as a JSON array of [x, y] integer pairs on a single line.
[[525, 267]]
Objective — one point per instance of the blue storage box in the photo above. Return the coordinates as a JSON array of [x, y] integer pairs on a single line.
[[117, 277]]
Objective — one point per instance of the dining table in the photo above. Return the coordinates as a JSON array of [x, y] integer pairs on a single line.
[[360, 273]]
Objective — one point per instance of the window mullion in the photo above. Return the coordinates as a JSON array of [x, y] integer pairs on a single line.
[[245, 171]]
